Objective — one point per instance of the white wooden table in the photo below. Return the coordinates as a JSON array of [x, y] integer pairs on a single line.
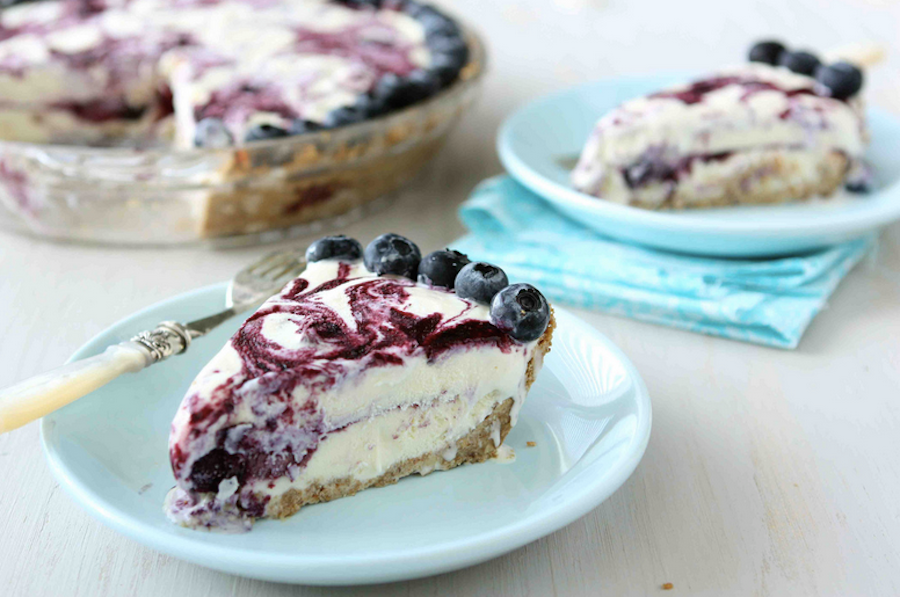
[[768, 472]]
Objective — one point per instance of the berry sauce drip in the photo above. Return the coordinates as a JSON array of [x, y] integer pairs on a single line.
[[330, 348], [698, 90]]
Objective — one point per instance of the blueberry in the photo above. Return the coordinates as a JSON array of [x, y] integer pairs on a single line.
[[842, 79], [414, 7], [393, 254], [300, 126], [521, 311], [370, 106], [859, 178], [343, 116], [433, 21], [766, 51], [362, 3], [212, 132], [388, 87], [411, 7], [424, 81], [215, 467], [445, 68], [398, 92], [859, 187], [441, 267], [260, 132], [647, 171], [453, 49], [480, 282], [338, 247], [803, 63]]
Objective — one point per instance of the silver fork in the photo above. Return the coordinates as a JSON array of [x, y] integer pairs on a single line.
[[45, 393]]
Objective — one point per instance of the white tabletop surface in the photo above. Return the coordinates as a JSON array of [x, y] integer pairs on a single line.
[[768, 472]]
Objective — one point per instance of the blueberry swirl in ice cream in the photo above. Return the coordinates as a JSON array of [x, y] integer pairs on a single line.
[[342, 350]]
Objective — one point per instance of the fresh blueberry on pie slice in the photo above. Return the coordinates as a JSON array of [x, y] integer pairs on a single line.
[[350, 379], [782, 127]]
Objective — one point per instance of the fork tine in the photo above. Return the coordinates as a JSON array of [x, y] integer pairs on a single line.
[[267, 271], [261, 279], [270, 263], [281, 271], [266, 260]]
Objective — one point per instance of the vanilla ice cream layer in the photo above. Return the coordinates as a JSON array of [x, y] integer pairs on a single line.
[[369, 448]]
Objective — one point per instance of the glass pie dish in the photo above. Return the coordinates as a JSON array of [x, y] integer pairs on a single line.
[[262, 192]]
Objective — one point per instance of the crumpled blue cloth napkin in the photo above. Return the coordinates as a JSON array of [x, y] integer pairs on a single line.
[[766, 301]]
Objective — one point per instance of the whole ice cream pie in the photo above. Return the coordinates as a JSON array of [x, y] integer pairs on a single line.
[[372, 365], [215, 73], [780, 128]]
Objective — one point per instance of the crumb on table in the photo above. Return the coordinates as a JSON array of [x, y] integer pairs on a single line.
[[531, 444], [667, 586]]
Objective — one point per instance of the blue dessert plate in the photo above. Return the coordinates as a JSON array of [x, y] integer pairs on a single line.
[[536, 145], [588, 415]]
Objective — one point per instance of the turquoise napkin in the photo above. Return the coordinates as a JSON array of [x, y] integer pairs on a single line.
[[766, 301]]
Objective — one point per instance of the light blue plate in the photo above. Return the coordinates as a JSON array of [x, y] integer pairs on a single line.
[[532, 141], [588, 412]]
